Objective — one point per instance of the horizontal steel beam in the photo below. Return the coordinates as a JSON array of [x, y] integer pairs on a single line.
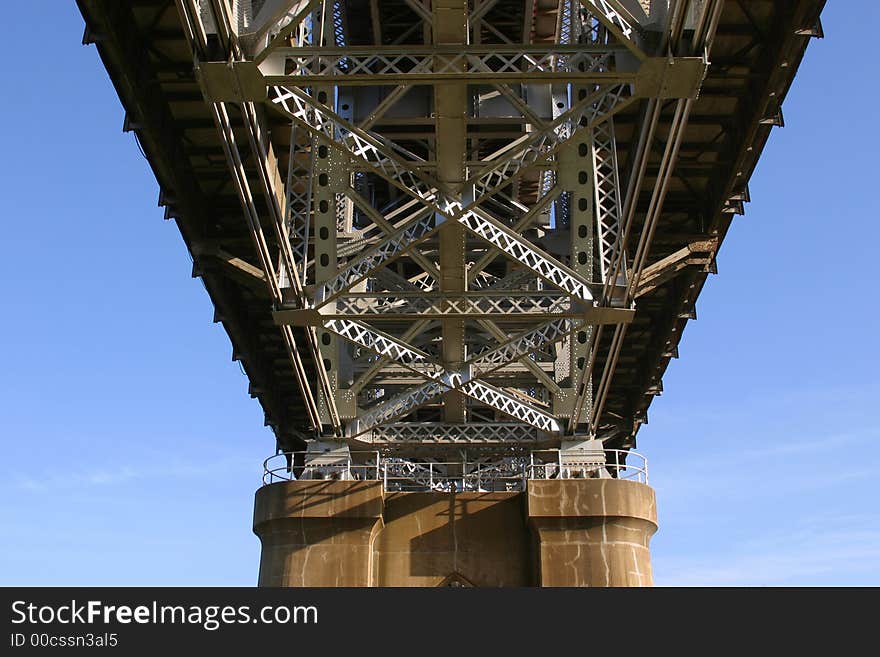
[[618, 21], [413, 398], [430, 64], [443, 433], [422, 364], [500, 306], [655, 77]]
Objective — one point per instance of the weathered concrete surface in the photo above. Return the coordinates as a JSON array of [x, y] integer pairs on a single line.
[[317, 533], [575, 532], [592, 532], [428, 537]]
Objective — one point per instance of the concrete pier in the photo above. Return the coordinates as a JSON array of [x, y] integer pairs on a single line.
[[592, 532], [571, 532]]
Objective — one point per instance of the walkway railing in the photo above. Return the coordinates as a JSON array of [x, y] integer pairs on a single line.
[[500, 474]]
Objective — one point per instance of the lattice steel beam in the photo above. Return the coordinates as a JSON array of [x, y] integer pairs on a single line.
[[537, 146], [702, 40], [506, 306], [422, 364], [607, 200], [444, 433], [546, 141], [376, 217], [653, 77], [548, 197], [468, 191], [475, 220], [277, 30], [441, 64], [388, 346], [394, 408], [617, 21], [498, 306], [298, 210], [523, 344], [401, 169]]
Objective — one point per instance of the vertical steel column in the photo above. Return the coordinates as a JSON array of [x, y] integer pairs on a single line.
[[324, 185], [324, 212], [575, 177], [450, 108]]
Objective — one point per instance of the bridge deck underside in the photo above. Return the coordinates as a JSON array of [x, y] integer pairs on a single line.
[[757, 49]]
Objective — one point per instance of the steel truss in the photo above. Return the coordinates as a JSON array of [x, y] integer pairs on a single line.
[[438, 64], [445, 238], [443, 433]]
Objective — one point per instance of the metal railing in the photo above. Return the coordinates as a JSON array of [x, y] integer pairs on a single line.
[[291, 466], [508, 473], [616, 464]]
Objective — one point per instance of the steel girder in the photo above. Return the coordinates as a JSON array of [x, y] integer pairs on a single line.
[[498, 305], [444, 433], [441, 64], [270, 180], [444, 207], [701, 42], [420, 227]]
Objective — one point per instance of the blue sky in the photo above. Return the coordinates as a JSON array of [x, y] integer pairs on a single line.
[[131, 449]]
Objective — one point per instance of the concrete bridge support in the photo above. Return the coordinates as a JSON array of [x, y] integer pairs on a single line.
[[317, 533], [592, 532], [575, 532]]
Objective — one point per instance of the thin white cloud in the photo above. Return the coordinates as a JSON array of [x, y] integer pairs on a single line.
[[825, 555], [737, 484], [785, 467], [123, 473], [782, 408]]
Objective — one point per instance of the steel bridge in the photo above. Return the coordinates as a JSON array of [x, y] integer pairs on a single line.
[[437, 226]]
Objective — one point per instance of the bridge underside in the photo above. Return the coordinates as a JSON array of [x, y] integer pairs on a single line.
[[455, 244], [414, 218]]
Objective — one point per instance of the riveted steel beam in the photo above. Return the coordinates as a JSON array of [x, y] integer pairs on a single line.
[[382, 160], [614, 19], [446, 433], [654, 77], [419, 203], [409, 400], [495, 305], [464, 381]]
